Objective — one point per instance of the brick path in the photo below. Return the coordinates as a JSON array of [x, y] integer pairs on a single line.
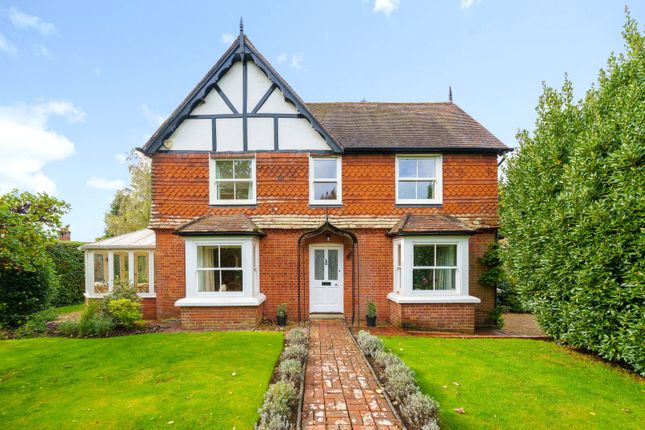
[[340, 391]]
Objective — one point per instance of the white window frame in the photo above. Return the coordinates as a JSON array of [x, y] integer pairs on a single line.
[[250, 294], [212, 182], [89, 272], [338, 181], [403, 292], [438, 180]]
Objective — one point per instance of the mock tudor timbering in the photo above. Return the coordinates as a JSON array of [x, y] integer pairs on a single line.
[[243, 171]]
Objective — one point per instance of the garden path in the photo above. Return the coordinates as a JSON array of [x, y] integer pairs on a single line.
[[340, 390]]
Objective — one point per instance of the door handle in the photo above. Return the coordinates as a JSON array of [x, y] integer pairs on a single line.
[[325, 283]]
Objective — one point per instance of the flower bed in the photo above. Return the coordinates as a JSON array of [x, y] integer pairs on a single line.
[[280, 410], [419, 411]]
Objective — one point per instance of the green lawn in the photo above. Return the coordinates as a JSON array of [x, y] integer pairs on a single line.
[[167, 380], [69, 309], [522, 384]]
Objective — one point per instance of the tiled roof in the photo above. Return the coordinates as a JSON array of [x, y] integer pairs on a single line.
[[220, 224], [137, 239], [404, 126], [429, 224]]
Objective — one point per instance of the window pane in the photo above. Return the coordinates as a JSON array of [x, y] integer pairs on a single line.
[[325, 191], [319, 264], [425, 190], [446, 255], [423, 255], [325, 168], [231, 281], [100, 273], [121, 270], [407, 190], [426, 167], [208, 281], [243, 190], [225, 190], [224, 169], [398, 255], [407, 168], [207, 257], [231, 256], [243, 169], [332, 264], [422, 279], [141, 273], [445, 278]]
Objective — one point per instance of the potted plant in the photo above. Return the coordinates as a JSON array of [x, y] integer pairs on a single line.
[[282, 314], [371, 313]]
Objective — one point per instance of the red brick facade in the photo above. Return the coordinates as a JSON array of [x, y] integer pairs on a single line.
[[180, 193]]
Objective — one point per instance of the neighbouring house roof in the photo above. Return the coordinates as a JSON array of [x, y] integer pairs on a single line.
[[402, 127], [220, 225], [416, 224], [140, 239]]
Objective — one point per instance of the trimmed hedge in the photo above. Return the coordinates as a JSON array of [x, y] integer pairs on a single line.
[[25, 293], [69, 264]]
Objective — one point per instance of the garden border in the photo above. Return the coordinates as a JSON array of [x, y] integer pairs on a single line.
[[302, 381]]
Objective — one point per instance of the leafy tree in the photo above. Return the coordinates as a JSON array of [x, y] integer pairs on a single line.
[[573, 210], [130, 208], [69, 263], [28, 225]]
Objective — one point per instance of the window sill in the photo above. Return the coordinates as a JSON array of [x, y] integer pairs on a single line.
[[419, 299], [221, 301], [326, 205], [100, 296], [418, 205]]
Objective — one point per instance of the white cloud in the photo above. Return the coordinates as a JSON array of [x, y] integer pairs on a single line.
[[227, 38], [6, 46], [28, 143], [283, 57], [465, 4], [121, 158], [385, 6], [153, 116], [24, 21], [105, 184], [42, 50], [296, 61]]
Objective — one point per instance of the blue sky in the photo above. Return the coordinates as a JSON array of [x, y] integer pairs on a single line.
[[81, 83]]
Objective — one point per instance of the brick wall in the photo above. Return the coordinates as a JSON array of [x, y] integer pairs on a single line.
[[455, 317], [221, 318], [170, 273], [149, 306], [180, 186]]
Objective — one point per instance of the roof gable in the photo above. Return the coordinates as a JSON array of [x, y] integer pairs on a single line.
[[241, 104]]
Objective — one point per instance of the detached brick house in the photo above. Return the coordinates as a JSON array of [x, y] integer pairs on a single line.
[[260, 199]]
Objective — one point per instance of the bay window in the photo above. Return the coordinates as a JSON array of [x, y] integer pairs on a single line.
[[431, 269], [419, 179], [325, 180], [232, 181]]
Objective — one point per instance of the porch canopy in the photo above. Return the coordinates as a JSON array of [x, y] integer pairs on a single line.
[[128, 257], [329, 229]]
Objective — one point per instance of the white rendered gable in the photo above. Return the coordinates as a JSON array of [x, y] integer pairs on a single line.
[[218, 123]]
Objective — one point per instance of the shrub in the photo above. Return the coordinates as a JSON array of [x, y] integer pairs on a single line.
[[296, 352], [371, 308], [495, 277], [36, 323], [125, 312], [69, 265], [418, 410], [399, 381], [496, 318], [93, 322], [291, 370], [431, 425], [68, 328], [123, 289], [279, 402], [24, 293], [571, 209], [281, 310], [385, 359], [296, 336], [369, 344]]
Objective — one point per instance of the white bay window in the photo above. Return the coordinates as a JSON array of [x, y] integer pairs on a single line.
[[222, 271], [431, 269]]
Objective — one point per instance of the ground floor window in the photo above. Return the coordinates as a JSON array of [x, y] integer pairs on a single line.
[[219, 268], [434, 267]]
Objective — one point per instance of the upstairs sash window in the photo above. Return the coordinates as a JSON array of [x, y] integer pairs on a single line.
[[232, 181], [418, 180], [325, 180]]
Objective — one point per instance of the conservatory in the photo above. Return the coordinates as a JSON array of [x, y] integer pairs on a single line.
[[128, 257]]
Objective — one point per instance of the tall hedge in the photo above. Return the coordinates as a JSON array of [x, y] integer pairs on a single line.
[[69, 265], [573, 210]]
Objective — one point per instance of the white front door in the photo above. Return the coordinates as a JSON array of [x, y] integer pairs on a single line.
[[326, 278]]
